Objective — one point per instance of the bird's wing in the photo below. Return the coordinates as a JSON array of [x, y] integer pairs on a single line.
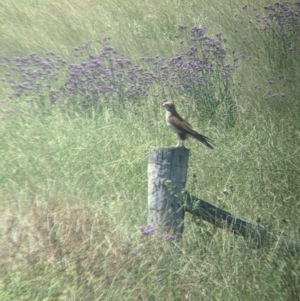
[[182, 126]]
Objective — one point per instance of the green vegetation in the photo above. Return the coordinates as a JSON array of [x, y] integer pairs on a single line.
[[73, 173]]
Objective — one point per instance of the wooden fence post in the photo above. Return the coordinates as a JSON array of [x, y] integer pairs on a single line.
[[167, 171]]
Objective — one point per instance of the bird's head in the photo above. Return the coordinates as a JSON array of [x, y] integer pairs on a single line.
[[169, 106]]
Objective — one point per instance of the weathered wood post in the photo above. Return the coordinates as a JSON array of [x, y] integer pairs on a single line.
[[167, 171]]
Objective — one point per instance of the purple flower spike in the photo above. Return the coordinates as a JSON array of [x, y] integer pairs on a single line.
[[146, 230], [169, 237]]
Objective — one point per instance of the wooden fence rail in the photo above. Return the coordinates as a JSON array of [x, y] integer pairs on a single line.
[[168, 202]]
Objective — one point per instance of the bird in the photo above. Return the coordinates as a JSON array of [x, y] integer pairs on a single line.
[[181, 127]]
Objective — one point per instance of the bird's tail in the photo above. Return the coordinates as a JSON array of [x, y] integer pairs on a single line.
[[205, 140]]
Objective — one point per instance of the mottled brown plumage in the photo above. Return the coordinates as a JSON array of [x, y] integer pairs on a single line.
[[181, 127]]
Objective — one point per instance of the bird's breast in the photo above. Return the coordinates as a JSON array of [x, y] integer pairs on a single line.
[[174, 128]]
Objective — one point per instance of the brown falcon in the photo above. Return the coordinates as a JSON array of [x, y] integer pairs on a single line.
[[181, 127]]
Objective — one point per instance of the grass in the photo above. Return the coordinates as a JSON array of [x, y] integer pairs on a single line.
[[73, 181]]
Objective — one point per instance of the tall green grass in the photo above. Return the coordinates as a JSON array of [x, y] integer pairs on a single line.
[[73, 182]]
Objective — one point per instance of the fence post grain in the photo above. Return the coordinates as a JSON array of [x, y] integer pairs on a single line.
[[167, 171]]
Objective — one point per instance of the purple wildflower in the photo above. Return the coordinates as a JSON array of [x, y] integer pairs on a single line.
[[146, 230], [169, 237]]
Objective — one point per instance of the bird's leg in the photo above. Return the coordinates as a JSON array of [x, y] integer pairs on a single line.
[[180, 143]]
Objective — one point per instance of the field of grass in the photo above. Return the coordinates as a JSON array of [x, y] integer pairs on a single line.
[[73, 167]]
